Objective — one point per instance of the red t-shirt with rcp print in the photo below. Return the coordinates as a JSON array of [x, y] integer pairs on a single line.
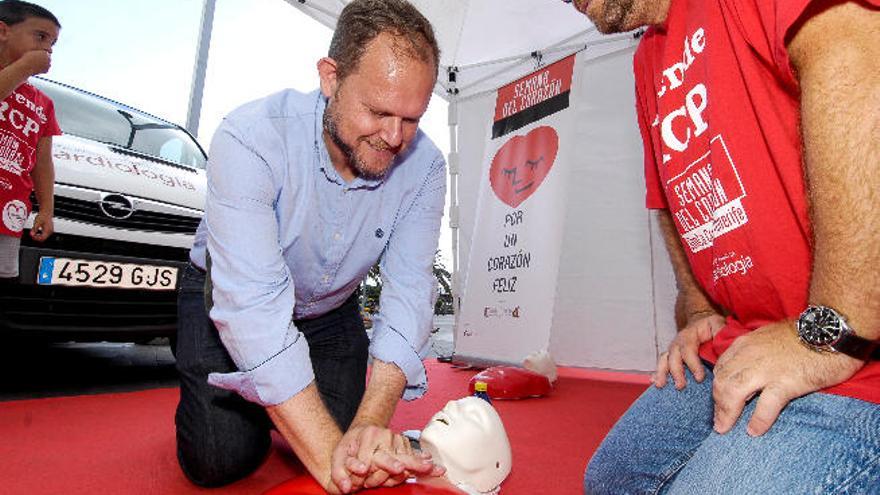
[[26, 116], [718, 110]]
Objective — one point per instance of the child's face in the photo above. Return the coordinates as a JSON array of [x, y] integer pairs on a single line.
[[33, 33]]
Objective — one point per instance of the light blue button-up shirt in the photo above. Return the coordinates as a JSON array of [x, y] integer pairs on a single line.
[[290, 239]]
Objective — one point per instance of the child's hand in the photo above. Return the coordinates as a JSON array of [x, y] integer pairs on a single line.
[[43, 227], [36, 61]]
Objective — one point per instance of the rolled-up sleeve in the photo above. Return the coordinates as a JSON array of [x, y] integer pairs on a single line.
[[253, 292], [403, 325]]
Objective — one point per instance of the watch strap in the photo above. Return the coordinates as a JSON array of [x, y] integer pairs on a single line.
[[857, 347]]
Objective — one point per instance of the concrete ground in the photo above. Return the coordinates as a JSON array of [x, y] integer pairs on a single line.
[[31, 371], [441, 339]]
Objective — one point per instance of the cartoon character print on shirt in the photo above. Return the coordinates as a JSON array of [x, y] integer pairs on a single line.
[[15, 213], [704, 192]]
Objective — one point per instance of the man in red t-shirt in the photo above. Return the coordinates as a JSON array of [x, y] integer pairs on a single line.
[[27, 124], [759, 120]]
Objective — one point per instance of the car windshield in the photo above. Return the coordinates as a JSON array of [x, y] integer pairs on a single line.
[[126, 129]]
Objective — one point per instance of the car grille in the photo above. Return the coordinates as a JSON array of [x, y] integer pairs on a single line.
[[90, 212], [70, 243], [88, 310]]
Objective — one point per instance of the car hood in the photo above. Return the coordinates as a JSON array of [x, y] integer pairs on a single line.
[[92, 165]]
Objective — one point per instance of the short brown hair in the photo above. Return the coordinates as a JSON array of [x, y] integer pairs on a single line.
[[361, 21], [14, 11]]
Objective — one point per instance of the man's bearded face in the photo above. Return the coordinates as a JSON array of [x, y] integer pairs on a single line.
[[610, 16]]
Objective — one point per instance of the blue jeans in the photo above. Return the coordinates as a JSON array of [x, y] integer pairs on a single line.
[[221, 437], [665, 443]]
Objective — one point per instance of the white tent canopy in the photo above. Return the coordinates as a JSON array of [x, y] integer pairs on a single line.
[[487, 43]]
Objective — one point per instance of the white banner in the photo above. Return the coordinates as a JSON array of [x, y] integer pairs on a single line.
[[507, 303]]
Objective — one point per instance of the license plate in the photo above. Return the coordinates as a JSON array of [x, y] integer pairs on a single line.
[[92, 273]]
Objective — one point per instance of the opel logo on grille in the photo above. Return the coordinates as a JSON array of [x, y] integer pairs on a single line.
[[116, 206]]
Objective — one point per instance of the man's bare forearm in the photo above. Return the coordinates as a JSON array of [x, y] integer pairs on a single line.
[[305, 423], [384, 390], [837, 59], [691, 299]]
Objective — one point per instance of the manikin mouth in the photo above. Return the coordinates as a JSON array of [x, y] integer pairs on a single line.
[[441, 417]]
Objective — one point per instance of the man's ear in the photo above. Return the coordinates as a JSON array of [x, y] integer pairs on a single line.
[[4, 32], [327, 73]]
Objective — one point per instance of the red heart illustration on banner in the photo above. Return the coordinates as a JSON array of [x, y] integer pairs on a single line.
[[521, 164]]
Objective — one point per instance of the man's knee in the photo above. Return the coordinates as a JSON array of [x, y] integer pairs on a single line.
[[221, 438], [213, 468]]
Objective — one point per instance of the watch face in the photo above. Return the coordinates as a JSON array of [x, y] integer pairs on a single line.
[[819, 326]]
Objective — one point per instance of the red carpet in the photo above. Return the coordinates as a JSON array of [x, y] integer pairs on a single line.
[[124, 443]]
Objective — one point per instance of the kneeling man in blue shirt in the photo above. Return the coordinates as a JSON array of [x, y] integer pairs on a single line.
[[305, 193]]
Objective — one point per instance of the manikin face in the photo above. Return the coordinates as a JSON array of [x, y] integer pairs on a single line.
[[615, 16], [33, 33], [468, 438], [373, 114]]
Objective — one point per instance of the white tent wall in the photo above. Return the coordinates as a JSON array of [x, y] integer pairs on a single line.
[[612, 306]]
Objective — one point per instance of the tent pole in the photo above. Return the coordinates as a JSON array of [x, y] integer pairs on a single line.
[[454, 171], [194, 112]]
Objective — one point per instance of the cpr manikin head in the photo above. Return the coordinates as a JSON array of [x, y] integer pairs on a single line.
[[468, 438]]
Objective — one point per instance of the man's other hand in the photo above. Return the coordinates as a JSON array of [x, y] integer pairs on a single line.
[[370, 456], [771, 361], [684, 350]]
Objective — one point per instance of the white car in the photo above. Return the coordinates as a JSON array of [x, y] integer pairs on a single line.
[[129, 194]]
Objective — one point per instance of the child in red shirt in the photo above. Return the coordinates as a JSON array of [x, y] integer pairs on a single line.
[[27, 124]]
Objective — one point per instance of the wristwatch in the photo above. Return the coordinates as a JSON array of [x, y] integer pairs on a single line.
[[823, 329]]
